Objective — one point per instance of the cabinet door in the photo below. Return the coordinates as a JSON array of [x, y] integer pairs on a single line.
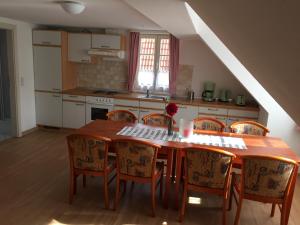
[[135, 111], [47, 68], [73, 114], [185, 112], [46, 37], [48, 109], [79, 44], [144, 112], [106, 41]]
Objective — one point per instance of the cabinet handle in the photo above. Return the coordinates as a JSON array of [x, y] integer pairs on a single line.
[[80, 104], [55, 89], [212, 109], [85, 60], [73, 96], [56, 96], [144, 111], [46, 42], [105, 46]]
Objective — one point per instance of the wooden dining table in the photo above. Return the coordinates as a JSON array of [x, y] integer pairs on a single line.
[[256, 145]]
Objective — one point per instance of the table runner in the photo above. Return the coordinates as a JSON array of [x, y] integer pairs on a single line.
[[155, 133]]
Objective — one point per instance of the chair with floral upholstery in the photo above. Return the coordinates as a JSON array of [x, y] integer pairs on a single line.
[[249, 127], [88, 156], [208, 123], [265, 179], [207, 170], [136, 162], [158, 119], [121, 115]]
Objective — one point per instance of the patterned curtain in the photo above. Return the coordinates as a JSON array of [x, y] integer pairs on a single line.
[[174, 64], [4, 78], [134, 43]]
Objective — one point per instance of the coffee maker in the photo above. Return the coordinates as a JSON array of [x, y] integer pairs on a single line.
[[208, 92]]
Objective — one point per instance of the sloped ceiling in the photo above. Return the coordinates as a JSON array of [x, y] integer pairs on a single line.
[[265, 37]]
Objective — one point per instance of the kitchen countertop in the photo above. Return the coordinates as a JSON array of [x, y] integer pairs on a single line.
[[141, 97]]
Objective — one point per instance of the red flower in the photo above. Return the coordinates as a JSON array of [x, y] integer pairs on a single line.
[[171, 109]]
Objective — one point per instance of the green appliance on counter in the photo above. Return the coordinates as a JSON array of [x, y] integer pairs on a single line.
[[208, 92], [224, 95], [240, 100]]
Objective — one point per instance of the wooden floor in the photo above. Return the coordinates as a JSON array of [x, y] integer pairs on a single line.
[[34, 191]]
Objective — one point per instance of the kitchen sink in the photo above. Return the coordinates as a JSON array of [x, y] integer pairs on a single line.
[[161, 97]]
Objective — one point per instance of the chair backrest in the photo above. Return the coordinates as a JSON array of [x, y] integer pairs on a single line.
[[267, 176], [121, 115], [158, 119], [87, 152], [136, 158], [249, 127], [207, 167], [207, 123]]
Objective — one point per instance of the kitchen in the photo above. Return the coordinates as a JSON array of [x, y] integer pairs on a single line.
[[88, 78]]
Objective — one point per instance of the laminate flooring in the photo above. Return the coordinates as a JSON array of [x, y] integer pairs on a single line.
[[34, 177]]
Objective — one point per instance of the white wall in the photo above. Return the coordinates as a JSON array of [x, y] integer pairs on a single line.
[[24, 71], [207, 67]]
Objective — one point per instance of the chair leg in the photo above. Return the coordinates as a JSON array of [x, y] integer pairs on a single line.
[[74, 184], [106, 197], [71, 188], [117, 192], [161, 185], [238, 212], [183, 204], [225, 210], [132, 186], [273, 210], [83, 180], [153, 185], [124, 186], [231, 194], [283, 215]]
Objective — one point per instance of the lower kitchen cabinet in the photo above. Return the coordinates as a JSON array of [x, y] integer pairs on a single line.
[[73, 114], [48, 109]]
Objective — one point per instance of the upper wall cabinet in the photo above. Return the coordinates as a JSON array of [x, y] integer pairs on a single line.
[[43, 37], [106, 41], [79, 44]]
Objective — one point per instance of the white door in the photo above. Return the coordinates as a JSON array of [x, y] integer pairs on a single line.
[[48, 109], [186, 112], [106, 41], [144, 112], [79, 44], [46, 37], [47, 68], [135, 111], [73, 114]]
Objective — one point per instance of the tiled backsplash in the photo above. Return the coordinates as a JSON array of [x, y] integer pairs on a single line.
[[104, 74], [184, 80]]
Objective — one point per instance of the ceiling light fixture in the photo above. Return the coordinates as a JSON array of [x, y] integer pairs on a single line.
[[72, 7]]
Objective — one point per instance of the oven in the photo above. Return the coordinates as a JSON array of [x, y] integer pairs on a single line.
[[98, 107]]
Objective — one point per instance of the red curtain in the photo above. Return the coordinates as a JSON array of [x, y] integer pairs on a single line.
[[174, 64], [134, 41]]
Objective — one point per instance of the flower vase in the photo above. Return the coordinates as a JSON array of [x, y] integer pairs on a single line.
[[170, 127]]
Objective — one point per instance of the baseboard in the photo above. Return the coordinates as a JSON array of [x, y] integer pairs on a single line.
[[29, 131]]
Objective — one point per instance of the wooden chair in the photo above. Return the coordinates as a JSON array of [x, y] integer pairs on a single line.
[[208, 123], [265, 179], [136, 162], [121, 115], [88, 156], [249, 127], [158, 119], [207, 170]]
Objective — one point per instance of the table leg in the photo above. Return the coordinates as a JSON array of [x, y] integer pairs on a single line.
[[178, 176], [168, 177]]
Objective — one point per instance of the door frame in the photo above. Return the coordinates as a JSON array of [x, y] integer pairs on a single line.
[[15, 79]]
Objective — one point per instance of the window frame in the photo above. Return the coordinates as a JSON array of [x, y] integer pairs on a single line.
[[157, 55]]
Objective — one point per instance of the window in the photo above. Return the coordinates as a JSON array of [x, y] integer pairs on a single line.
[[153, 64]]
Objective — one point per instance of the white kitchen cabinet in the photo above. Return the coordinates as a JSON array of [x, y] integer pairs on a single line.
[[46, 37], [48, 109], [152, 105], [126, 102], [218, 117], [134, 110], [186, 112], [231, 120], [106, 41], [47, 68], [213, 111], [243, 113], [145, 111], [73, 114], [79, 44]]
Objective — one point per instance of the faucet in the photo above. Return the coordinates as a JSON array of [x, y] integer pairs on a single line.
[[148, 93]]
